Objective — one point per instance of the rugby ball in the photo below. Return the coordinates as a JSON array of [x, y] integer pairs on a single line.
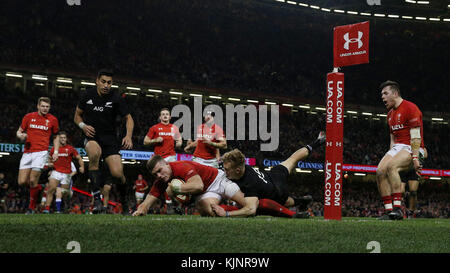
[[181, 198]]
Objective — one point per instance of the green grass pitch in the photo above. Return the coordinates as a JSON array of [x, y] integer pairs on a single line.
[[193, 234]]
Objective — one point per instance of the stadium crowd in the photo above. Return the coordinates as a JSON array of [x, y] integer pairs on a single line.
[[250, 46]]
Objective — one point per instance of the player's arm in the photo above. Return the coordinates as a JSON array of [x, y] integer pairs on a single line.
[[78, 119], [127, 143], [193, 185], [249, 206], [146, 205], [222, 144], [190, 145], [391, 144], [20, 134], [152, 141], [415, 147], [56, 147], [80, 162]]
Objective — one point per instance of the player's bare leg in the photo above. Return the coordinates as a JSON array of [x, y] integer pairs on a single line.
[[52, 185], [400, 162], [413, 187], [106, 190], [384, 188]]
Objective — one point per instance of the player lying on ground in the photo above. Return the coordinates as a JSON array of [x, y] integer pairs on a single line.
[[267, 191]]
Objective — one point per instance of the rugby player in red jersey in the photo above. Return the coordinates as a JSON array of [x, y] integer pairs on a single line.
[[140, 186], [163, 135], [210, 138], [36, 129], [406, 148], [206, 184], [62, 168]]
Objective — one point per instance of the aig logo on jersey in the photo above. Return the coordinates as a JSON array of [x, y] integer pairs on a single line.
[[98, 108], [351, 44]]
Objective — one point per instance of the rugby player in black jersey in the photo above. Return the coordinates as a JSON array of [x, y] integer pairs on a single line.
[[96, 114], [265, 192]]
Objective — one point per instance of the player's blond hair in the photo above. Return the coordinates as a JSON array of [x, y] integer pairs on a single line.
[[44, 99], [235, 157]]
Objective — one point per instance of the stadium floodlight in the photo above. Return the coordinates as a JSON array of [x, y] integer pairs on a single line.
[[321, 108], [446, 19], [393, 16], [133, 88], [423, 2], [154, 90], [131, 94], [437, 119], [287, 105], [352, 112], [366, 114], [304, 106], [303, 4], [406, 17], [270, 102], [4, 153], [360, 174], [327, 10], [379, 15], [435, 178], [410, 1], [253, 101], [64, 80], [13, 75], [365, 14], [114, 86], [291, 2], [87, 83], [314, 7], [435, 19], [234, 99], [280, 1], [39, 77], [339, 11], [421, 18], [215, 97], [175, 93], [195, 95], [382, 115], [351, 12]]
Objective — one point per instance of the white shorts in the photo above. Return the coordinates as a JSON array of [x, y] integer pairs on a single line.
[[35, 161], [170, 158], [208, 162], [396, 148], [63, 178], [139, 195], [221, 187]]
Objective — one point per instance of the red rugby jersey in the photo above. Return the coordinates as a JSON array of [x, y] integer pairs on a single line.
[[39, 129], [401, 120], [185, 170]]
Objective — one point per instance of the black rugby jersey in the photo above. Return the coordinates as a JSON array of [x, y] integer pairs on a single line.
[[257, 183], [101, 111]]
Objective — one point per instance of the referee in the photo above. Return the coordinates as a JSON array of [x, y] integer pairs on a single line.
[[96, 114]]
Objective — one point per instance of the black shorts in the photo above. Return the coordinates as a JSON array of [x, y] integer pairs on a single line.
[[279, 176], [109, 143]]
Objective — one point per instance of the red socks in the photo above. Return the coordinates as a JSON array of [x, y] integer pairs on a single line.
[[392, 201], [275, 209], [34, 194]]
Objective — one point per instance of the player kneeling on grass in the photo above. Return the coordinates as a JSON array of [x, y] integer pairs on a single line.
[[206, 184]]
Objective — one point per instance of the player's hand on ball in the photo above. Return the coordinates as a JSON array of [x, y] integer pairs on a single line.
[[169, 190]]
